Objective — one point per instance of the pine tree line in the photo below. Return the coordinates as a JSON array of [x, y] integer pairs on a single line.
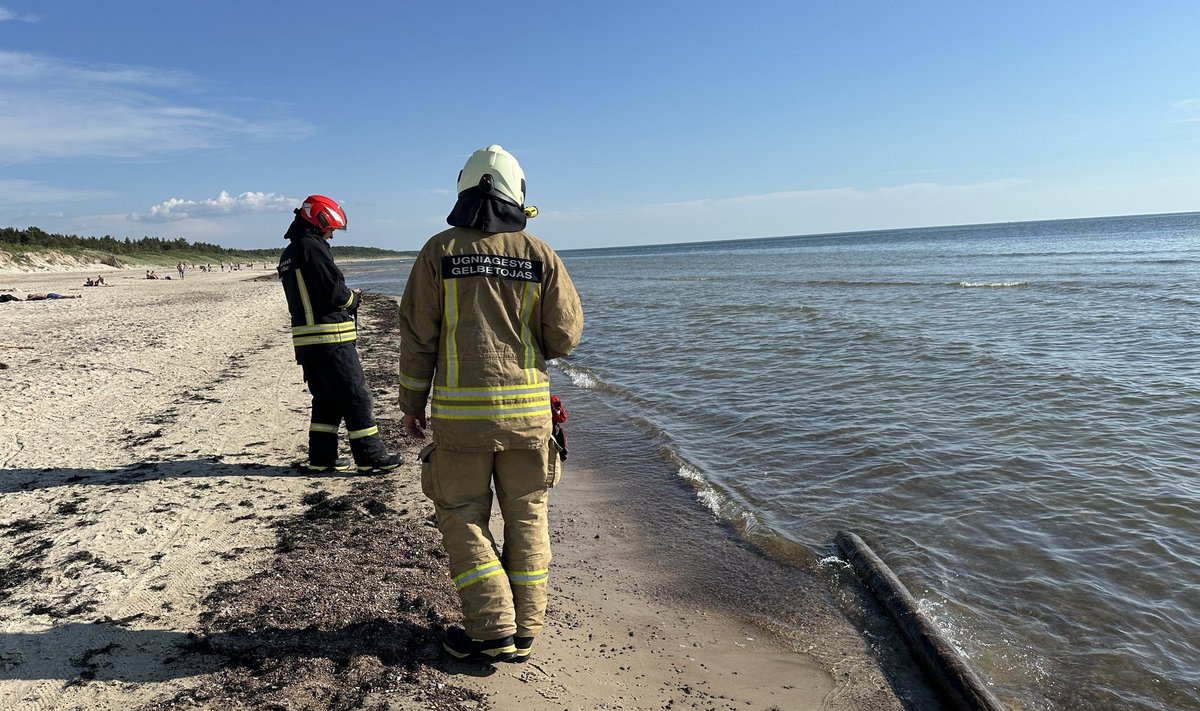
[[33, 238]]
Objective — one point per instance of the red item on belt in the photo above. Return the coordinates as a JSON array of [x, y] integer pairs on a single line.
[[556, 409]]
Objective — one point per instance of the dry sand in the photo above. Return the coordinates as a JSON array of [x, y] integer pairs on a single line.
[[158, 551]]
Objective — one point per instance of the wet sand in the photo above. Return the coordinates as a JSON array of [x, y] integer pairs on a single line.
[[161, 552]]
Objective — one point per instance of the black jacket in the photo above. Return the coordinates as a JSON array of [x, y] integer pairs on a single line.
[[320, 303]]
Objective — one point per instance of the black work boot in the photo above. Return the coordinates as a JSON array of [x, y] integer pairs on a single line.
[[379, 466], [323, 450], [459, 645], [337, 465], [371, 457], [524, 646]]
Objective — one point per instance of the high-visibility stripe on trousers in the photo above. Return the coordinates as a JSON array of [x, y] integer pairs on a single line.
[[502, 593], [339, 392]]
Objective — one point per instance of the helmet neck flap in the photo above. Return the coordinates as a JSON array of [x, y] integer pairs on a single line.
[[301, 227], [488, 211]]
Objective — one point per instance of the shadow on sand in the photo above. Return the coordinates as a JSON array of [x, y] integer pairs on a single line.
[[77, 652], [13, 480]]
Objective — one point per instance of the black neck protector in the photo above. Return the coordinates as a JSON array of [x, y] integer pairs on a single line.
[[301, 227], [488, 211]]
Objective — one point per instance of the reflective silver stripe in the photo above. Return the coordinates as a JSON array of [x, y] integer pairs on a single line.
[[318, 427], [410, 383], [479, 572], [338, 327], [529, 577], [485, 412], [303, 289], [318, 340], [492, 393], [367, 432]]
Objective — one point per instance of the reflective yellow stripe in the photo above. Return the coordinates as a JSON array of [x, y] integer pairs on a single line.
[[498, 407], [323, 340], [303, 288], [479, 572], [492, 393], [349, 301], [451, 312], [497, 412], [318, 427], [338, 327], [527, 301], [359, 434], [528, 577], [491, 402], [410, 383]]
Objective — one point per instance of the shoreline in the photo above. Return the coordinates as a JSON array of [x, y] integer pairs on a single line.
[[146, 450], [45, 262]]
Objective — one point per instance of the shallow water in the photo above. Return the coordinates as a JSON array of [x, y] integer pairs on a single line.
[[1007, 413]]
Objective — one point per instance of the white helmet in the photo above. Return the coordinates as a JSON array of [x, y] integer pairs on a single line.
[[494, 168]]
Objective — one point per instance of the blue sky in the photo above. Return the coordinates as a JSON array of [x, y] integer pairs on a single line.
[[636, 122]]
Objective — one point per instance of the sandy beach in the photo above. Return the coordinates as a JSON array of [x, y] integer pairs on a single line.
[[160, 551]]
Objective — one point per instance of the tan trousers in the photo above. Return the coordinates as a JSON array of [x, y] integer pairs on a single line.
[[501, 593]]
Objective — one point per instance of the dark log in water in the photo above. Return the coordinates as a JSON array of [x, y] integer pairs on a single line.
[[950, 671]]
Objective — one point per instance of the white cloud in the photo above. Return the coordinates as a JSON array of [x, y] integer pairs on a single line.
[[1189, 109], [6, 14], [53, 109], [224, 204]]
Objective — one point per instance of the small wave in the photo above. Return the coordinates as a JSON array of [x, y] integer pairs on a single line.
[[690, 473], [939, 614], [711, 499], [580, 376], [715, 500], [1180, 300], [833, 561], [858, 282], [990, 284]]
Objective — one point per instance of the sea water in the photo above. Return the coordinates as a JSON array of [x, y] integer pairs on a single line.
[[1008, 413]]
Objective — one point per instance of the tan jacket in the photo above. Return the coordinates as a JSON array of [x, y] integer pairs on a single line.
[[481, 314]]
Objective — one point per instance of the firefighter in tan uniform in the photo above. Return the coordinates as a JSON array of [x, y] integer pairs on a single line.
[[485, 306]]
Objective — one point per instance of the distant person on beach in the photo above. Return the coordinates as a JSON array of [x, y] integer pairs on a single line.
[[324, 331], [179, 268], [485, 306], [51, 295]]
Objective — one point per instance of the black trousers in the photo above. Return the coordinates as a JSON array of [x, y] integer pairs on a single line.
[[339, 392]]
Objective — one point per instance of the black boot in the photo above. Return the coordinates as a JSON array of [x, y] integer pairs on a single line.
[[337, 465], [460, 646], [524, 645], [371, 457], [379, 466], [323, 449]]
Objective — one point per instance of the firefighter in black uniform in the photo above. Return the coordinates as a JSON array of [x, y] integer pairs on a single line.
[[323, 334]]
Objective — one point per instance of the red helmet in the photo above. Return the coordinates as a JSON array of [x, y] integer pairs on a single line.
[[323, 213]]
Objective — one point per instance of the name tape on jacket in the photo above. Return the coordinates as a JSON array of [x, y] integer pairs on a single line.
[[491, 265]]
